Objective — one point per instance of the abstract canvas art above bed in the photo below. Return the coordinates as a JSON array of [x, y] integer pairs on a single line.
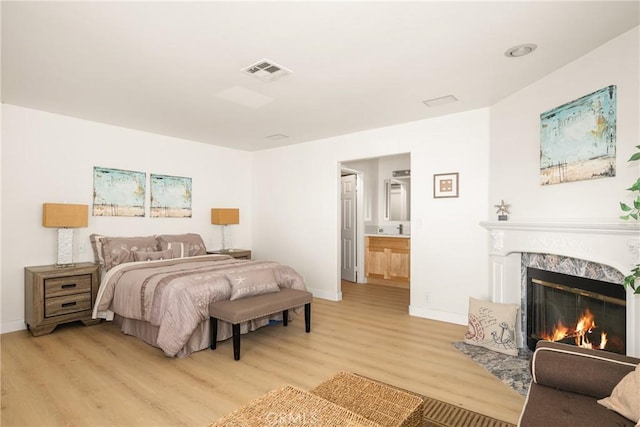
[[170, 196], [118, 192]]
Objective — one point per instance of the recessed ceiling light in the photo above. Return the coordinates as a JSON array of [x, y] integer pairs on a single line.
[[434, 102], [520, 50], [276, 137]]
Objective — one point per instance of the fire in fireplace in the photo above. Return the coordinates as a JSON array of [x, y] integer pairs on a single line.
[[575, 310]]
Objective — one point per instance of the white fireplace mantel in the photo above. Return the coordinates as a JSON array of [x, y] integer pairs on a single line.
[[616, 244], [575, 226]]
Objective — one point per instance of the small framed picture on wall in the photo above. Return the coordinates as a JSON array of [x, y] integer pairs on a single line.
[[445, 185]]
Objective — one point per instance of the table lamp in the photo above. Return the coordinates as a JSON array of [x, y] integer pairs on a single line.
[[65, 218], [224, 217]]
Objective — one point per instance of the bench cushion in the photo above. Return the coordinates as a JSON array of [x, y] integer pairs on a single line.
[[242, 310]]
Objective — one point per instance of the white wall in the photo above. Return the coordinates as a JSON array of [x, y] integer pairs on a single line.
[[296, 206], [515, 137], [1, 221], [50, 158]]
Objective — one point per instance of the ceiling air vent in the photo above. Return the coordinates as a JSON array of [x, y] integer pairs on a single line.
[[266, 70]]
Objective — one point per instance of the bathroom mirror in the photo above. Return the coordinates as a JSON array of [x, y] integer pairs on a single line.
[[397, 198]]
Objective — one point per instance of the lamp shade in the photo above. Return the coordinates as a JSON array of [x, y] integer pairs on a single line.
[[225, 216], [61, 215]]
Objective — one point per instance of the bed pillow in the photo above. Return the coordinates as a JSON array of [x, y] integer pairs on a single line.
[[492, 326], [96, 245], [625, 397], [192, 240], [179, 249], [252, 283], [152, 256], [117, 250]]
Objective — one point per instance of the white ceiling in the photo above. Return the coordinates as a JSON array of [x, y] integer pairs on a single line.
[[171, 67]]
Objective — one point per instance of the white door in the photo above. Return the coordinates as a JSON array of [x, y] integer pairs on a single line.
[[348, 234]]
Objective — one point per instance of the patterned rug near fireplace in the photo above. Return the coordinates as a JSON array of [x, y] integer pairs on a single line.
[[511, 370]]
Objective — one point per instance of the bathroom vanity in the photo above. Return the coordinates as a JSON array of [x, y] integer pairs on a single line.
[[387, 260]]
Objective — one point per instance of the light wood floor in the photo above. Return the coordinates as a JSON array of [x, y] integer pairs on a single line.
[[96, 376]]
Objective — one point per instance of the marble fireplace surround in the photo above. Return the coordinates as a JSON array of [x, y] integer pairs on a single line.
[[612, 244]]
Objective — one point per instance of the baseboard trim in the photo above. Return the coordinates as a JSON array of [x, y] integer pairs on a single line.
[[442, 316], [324, 294], [13, 326]]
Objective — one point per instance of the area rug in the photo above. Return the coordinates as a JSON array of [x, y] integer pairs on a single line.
[[511, 370], [441, 414]]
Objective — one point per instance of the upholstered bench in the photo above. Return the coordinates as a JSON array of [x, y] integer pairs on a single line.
[[245, 309]]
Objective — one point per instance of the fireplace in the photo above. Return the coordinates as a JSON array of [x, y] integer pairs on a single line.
[[615, 245], [574, 310]]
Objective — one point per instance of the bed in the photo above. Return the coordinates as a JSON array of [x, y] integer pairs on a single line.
[[158, 288]]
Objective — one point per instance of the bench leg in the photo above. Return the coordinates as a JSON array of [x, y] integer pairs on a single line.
[[236, 341], [213, 330], [307, 317], [285, 317]]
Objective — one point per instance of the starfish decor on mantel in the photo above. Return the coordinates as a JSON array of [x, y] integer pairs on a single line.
[[503, 210]]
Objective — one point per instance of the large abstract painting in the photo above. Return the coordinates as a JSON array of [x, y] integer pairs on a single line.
[[170, 196], [578, 139], [118, 192]]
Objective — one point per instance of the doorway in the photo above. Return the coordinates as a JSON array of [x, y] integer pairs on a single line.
[[363, 204]]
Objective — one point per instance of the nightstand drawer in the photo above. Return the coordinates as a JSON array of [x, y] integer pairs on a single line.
[[67, 304], [69, 285]]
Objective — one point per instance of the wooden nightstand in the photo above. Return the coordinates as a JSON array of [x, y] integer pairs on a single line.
[[236, 253], [55, 295]]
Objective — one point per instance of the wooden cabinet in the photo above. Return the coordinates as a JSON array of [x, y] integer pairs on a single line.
[[387, 260], [55, 295], [236, 253]]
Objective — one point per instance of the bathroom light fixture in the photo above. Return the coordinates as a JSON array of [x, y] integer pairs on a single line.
[[520, 50], [435, 102]]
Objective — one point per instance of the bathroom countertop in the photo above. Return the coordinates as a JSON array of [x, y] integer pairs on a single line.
[[401, 236]]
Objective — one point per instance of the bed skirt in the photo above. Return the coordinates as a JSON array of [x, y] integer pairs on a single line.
[[199, 340]]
